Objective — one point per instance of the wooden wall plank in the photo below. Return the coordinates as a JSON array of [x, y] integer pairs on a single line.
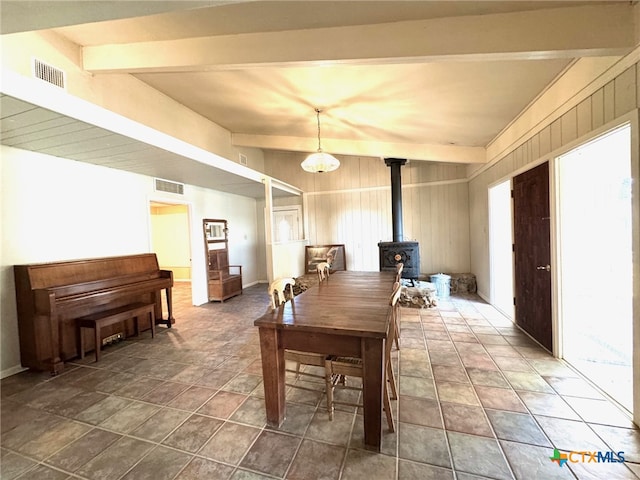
[[409, 213], [535, 148], [637, 86], [518, 156], [545, 140], [584, 116], [597, 109], [625, 92], [569, 126], [609, 101], [556, 134]]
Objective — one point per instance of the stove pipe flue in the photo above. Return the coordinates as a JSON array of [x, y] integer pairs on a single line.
[[407, 252], [396, 196]]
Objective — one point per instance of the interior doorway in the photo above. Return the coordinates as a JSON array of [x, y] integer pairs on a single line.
[[171, 238], [595, 261], [500, 247]]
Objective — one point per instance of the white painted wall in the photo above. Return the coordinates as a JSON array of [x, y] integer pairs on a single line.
[[288, 259], [57, 209]]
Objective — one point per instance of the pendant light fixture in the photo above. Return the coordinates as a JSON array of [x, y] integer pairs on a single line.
[[320, 161]]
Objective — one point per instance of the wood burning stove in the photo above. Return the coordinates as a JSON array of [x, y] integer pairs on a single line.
[[407, 252]]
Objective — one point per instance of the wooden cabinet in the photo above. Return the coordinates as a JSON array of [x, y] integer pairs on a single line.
[[225, 281]]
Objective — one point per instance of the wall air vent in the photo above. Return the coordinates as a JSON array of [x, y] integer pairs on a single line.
[[49, 74], [169, 186], [243, 160]]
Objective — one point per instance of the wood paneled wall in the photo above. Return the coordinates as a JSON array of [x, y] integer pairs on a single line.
[[353, 206], [618, 97]]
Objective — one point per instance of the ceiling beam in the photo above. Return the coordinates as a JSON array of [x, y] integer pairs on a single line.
[[592, 30], [364, 148], [28, 15]]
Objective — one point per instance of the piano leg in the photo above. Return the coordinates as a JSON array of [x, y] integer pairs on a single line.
[[157, 298], [170, 318], [57, 365]]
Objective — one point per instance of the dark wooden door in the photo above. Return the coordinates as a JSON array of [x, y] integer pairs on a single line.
[[532, 253]]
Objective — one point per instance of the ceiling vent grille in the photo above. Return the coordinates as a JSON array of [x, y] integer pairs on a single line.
[[49, 74], [169, 186]]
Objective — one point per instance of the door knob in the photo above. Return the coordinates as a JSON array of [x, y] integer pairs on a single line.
[[544, 267]]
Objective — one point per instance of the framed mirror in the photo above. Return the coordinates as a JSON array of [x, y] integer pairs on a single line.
[[215, 230], [215, 234]]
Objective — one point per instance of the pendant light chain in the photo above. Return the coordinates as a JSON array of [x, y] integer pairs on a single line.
[[318, 117]]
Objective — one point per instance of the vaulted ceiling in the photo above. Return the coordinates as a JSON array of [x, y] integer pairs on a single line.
[[425, 80]]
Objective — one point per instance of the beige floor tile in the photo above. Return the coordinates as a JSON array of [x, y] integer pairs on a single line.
[[317, 461], [160, 464], [230, 443], [271, 453], [193, 433], [363, 465]]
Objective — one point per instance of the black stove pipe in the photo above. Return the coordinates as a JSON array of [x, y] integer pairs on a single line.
[[396, 196]]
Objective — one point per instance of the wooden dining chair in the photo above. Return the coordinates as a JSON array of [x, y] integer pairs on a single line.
[[278, 289], [323, 269], [277, 293], [394, 301], [338, 369]]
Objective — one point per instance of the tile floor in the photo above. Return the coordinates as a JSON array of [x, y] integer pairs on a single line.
[[477, 400]]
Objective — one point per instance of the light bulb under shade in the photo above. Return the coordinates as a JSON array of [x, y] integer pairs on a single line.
[[320, 162]]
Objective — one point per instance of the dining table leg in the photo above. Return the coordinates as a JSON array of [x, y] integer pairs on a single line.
[[273, 376], [372, 382]]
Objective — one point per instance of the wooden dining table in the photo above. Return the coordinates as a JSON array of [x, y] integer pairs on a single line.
[[346, 315]]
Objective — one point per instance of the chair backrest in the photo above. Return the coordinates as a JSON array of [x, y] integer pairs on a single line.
[[395, 309], [395, 295], [399, 269], [323, 271], [277, 291]]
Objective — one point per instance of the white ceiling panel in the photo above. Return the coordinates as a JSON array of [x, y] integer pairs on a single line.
[[30, 128]]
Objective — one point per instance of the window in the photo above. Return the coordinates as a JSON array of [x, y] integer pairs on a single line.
[[287, 223]]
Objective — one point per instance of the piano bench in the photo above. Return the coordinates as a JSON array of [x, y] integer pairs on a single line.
[[115, 315]]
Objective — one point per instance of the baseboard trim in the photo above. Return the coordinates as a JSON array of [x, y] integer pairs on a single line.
[[483, 296], [12, 371]]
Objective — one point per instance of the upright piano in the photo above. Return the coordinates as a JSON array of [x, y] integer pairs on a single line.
[[50, 296]]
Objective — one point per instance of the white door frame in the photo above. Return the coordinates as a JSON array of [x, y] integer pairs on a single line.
[[493, 254]]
